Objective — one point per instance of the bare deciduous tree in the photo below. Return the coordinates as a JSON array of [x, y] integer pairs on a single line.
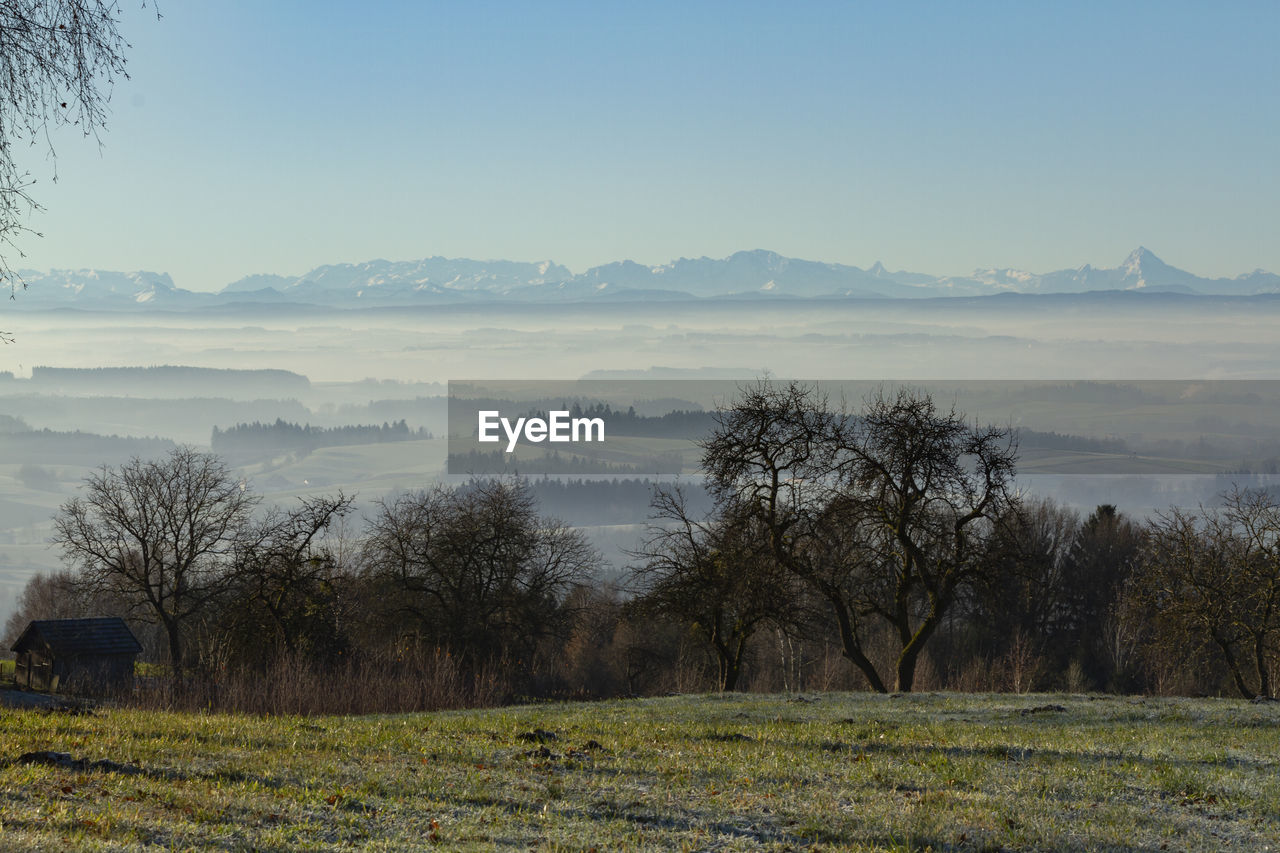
[[289, 575], [718, 575], [1214, 575], [884, 515], [46, 596], [476, 570], [59, 60], [161, 534]]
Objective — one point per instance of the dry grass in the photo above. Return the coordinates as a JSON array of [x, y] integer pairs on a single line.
[[404, 682], [830, 772]]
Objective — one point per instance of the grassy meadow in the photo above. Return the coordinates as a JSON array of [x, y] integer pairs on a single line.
[[735, 772]]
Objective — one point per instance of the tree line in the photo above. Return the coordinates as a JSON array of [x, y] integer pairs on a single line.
[[895, 533], [884, 548], [282, 435]]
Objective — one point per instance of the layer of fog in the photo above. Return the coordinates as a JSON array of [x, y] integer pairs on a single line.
[[358, 361], [1107, 336]]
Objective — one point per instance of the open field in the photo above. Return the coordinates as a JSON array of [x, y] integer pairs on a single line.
[[832, 772]]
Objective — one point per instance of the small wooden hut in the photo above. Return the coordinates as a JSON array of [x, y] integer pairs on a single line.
[[76, 655]]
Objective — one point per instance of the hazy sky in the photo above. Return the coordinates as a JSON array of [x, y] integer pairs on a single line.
[[277, 136]]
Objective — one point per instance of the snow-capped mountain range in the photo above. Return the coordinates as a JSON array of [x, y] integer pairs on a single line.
[[745, 275]]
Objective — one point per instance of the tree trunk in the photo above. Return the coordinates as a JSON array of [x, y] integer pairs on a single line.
[[1234, 666], [853, 649], [174, 631], [1264, 672], [910, 655], [728, 674], [906, 674], [729, 661]]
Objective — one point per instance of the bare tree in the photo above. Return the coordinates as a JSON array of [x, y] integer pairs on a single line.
[[717, 575], [1214, 575], [476, 570], [287, 589], [46, 596], [885, 515], [59, 60], [161, 534]]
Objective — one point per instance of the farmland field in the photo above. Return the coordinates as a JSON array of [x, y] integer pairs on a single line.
[[735, 772]]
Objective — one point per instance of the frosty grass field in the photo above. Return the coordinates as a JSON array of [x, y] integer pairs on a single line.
[[734, 772]]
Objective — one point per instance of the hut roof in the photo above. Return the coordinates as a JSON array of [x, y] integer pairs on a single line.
[[99, 635]]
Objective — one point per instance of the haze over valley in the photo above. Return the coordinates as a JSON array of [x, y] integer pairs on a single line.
[[321, 354], [637, 413]]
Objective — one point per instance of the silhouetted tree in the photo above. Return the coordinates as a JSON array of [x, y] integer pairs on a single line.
[[286, 593], [1053, 589], [58, 62], [1021, 601], [161, 534], [1214, 575], [719, 576], [1104, 552], [885, 515], [54, 595], [475, 569]]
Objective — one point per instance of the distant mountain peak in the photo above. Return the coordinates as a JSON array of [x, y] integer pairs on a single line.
[[755, 273], [1141, 257], [1142, 269]]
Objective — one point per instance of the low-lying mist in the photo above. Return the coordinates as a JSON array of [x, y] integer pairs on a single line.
[[388, 369]]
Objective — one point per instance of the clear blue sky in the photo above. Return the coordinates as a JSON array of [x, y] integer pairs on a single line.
[[277, 136]]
